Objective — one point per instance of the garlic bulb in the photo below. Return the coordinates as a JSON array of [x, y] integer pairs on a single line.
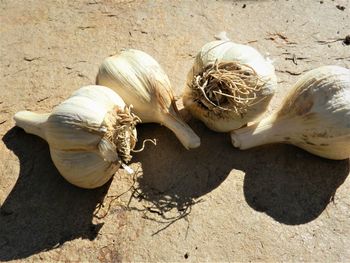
[[141, 82], [315, 116], [90, 134], [229, 85]]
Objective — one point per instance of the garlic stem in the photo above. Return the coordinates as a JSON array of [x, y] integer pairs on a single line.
[[32, 122], [182, 131], [266, 131]]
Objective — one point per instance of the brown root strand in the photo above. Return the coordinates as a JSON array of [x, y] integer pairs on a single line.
[[120, 126], [154, 141], [114, 198], [227, 86]]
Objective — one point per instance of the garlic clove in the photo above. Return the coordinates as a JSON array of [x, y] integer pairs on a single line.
[[315, 116], [229, 85], [67, 125], [90, 134], [108, 150], [82, 168], [142, 83]]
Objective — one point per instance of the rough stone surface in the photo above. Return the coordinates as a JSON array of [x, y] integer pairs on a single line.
[[215, 203]]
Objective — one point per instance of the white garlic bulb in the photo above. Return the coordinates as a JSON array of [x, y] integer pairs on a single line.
[[315, 116], [141, 82], [229, 85], [90, 134]]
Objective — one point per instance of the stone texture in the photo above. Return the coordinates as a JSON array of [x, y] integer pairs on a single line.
[[215, 203]]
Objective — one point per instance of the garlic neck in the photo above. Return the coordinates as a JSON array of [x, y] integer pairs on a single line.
[[32, 122], [268, 130], [182, 131]]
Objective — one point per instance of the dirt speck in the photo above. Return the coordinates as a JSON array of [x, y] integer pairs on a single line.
[[347, 40], [340, 7]]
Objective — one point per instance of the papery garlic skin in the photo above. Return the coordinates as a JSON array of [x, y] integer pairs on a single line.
[[227, 51], [315, 116], [141, 82], [82, 134]]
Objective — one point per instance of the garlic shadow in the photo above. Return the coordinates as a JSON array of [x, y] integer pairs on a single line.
[[173, 179], [291, 185], [288, 184], [43, 211]]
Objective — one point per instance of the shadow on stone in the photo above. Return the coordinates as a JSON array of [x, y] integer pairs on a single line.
[[174, 178], [287, 183], [291, 185], [43, 211]]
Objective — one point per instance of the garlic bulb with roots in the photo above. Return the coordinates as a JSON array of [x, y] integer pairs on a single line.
[[229, 85], [141, 82], [90, 135], [315, 116]]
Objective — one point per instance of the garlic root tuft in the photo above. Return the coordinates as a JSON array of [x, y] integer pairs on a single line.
[[119, 123], [227, 86]]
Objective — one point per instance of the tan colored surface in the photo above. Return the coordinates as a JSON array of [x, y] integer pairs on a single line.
[[218, 203]]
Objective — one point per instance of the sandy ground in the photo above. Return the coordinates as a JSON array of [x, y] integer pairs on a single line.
[[215, 203]]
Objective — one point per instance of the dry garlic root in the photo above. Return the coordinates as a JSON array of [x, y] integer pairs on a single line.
[[315, 116], [90, 134], [141, 82], [229, 85]]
